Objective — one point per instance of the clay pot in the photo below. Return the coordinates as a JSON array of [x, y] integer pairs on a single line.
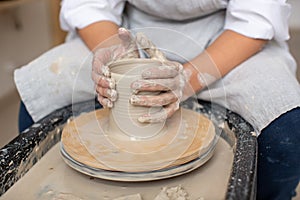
[[123, 116]]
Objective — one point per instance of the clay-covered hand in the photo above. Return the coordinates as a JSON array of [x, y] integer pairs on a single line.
[[169, 80], [105, 85]]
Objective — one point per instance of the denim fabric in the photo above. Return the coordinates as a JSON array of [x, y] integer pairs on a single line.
[[25, 119], [279, 158]]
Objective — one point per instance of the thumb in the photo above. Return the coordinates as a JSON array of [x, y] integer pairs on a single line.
[[128, 42], [125, 36], [147, 45]]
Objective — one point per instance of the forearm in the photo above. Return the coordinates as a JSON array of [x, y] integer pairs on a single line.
[[228, 51], [98, 32]]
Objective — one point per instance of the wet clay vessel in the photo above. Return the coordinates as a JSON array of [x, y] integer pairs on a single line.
[[123, 116]]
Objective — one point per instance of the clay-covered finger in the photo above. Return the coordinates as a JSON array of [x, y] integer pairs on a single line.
[[154, 100], [155, 85], [128, 43], [101, 58], [125, 36], [107, 93], [105, 102], [161, 72], [146, 44], [160, 116], [102, 81]]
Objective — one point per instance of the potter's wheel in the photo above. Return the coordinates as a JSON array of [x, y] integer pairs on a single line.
[[187, 144]]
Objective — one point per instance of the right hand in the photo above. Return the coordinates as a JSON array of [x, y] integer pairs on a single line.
[[105, 85]]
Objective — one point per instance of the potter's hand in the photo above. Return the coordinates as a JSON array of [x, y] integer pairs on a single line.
[[169, 80], [105, 86]]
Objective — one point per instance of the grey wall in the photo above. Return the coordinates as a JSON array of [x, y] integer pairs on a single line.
[[24, 34], [295, 17]]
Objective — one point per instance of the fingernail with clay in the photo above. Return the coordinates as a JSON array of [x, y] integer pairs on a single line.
[[106, 103], [136, 85], [146, 74], [111, 83], [105, 71], [113, 95], [143, 119], [134, 99], [109, 104]]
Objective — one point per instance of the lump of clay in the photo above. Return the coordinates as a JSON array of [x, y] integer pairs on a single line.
[[173, 193], [130, 197]]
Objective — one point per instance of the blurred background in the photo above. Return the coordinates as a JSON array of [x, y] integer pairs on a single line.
[[30, 27]]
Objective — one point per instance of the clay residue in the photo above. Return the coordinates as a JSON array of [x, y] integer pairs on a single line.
[[173, 193], [130, 197], [51, 195], [56, 67]]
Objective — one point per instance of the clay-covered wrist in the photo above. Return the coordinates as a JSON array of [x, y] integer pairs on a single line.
[[202, 72]]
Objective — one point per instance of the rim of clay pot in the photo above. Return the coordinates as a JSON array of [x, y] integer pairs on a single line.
[[135, 60]]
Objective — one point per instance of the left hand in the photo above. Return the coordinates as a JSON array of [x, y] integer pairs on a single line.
[[168, 79], [105, 85]]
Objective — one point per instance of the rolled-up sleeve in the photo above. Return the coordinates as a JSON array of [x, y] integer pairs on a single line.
[[81, 13], [261, 19]]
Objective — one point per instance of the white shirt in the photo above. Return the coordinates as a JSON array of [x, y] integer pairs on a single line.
[[264, 19]]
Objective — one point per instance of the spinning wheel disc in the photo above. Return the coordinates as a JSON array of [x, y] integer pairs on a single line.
[[187, 142]]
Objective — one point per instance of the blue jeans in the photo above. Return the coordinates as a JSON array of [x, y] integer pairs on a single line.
[[279, 158], [25, 120], [278, 170]]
